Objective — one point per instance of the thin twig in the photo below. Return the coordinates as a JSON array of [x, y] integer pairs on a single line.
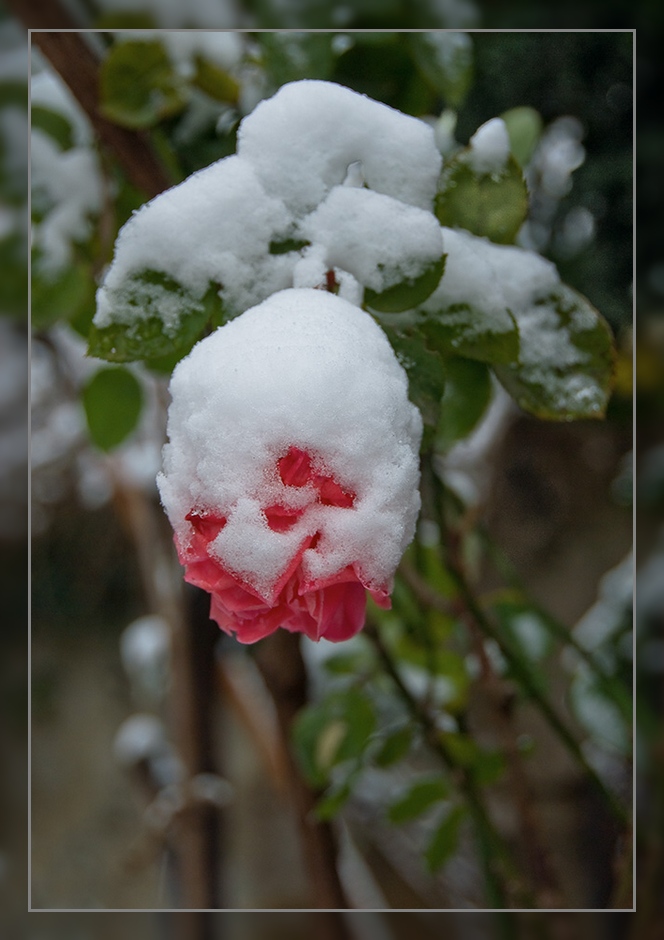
[[559, 630], [521, 670], [545, 884], [523, 675], [491, 849]]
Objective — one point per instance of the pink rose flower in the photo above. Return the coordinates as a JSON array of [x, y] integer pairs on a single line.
[[292, 469], [332, 608]]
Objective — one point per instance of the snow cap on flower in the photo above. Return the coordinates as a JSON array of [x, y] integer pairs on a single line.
[[291, 473]]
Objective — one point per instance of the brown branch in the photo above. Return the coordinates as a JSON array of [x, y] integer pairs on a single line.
[[193, 638], [76, 63], [280, 661], [241, 694], [196, 830]]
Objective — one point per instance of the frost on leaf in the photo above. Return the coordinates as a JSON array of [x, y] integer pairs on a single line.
[[285, 210], [506, 306], [565, 366], [291, 473]]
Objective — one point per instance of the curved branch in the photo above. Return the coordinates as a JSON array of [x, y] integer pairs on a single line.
[[76, 63]]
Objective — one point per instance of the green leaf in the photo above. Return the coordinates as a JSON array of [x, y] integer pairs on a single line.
[[566, 360], [524, 128], [215, 82], [307, 729], [461, 329], [445, 839], [408, 294], [66, 295], [394, 747], [144, 306], [54, 124], [465, 400], [290, 56], [138, 85], [288, 244], [359, 715], [112, 401], [425, 370], [492, 205], [332, 732], [445, 59], [418, 799]]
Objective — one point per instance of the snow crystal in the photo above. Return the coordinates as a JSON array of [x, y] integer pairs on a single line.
[[304, 369], [489, 147], [303, 139]]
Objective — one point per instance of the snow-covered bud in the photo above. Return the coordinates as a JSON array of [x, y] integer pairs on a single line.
[[291, 473]]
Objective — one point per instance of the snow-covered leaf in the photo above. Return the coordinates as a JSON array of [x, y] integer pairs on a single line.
[[470, 331], [407, 294], [171, 320], [565, 366]]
